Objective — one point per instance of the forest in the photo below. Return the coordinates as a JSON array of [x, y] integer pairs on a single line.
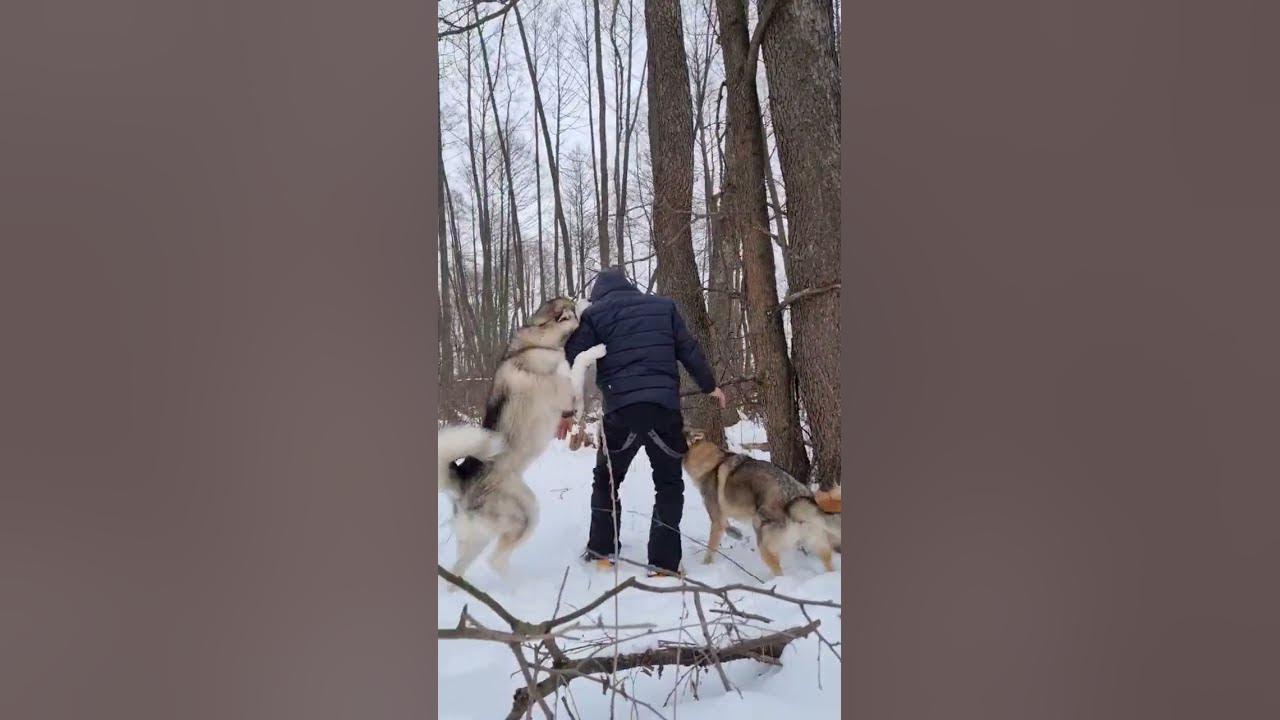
[[695, 144]]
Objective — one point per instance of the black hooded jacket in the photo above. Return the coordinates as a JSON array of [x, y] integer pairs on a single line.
[[645, 337]]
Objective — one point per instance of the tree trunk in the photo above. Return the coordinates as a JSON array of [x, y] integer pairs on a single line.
[[537, 179], [671, 146], [624, 126], [602, 207], [779, 216], [747, 219], [446, 370], [804, 95]]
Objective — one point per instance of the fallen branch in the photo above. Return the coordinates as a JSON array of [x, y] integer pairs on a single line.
[[762, 649], [766, 648]]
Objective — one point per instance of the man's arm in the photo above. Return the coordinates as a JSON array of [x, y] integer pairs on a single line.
[[581, 339], [690, 355]]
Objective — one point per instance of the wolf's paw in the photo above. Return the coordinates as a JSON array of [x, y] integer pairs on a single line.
[[595, 352], [709, 558]]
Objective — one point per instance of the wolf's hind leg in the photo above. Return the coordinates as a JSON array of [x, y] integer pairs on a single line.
[[500, 560], [471, 542], [517, 530]]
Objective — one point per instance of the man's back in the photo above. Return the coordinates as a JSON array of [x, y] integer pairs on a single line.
[[646, 337]]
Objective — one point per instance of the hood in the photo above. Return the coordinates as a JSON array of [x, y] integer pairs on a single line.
[[611, 280]]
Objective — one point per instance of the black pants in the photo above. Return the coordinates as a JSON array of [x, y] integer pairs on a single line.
[[660, 431]]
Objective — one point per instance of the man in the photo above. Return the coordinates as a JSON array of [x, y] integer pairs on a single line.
[[645, 337]]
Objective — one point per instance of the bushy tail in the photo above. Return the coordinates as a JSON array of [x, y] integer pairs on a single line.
[[455, 443], [809, 512]]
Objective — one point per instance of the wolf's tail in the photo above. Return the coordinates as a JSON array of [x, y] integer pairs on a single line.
[[456, 443], [807, 511]]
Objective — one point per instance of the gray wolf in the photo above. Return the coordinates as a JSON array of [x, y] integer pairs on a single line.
[[482, 469], [782, 510], [640, 383]]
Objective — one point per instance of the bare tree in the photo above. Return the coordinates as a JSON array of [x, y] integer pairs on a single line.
[[513, 240], [444, 289], [602, 206], [478, 167], [804, 97], [466, 310], [553, 154]]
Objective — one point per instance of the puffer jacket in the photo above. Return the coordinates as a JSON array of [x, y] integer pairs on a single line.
[[645, 338]]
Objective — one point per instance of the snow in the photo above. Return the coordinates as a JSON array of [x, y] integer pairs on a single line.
[[477, 678]]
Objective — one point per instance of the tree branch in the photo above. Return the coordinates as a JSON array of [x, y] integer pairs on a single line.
[[802, 294], [459, 29], [516, 623], [725, 383], [757, 35]]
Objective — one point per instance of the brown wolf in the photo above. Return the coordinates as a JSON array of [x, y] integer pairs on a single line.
[[780, 508]]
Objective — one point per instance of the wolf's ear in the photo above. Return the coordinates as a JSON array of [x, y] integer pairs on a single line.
[[693, 435]]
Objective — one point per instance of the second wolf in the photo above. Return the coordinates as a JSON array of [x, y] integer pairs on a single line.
[[780, 508], [534, 389]]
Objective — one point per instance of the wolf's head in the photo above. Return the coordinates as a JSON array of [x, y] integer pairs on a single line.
[[552, 324]]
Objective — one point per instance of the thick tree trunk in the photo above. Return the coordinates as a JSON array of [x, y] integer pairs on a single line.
[[804, 96], [671, 145], [747, 219]]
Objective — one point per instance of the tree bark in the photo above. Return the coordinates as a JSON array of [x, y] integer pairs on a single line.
[[747, 219], [671, 147], [804, 95]]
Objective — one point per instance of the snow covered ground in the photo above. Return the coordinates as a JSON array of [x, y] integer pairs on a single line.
[[477, 678]]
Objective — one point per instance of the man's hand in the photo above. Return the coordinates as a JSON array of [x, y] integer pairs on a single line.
[[562, 430], [718, 394]]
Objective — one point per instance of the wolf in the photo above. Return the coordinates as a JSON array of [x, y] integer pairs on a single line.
[[481, 469], [782, 510]]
